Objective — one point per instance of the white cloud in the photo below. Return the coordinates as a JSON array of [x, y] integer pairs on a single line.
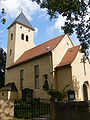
[[36, 31], [57, 25], [59, 22], [5, 49], [13, 7]]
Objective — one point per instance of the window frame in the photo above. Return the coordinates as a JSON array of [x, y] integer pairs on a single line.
[[11, 36], [36, 72], [22, 36], [21, 79], [10, 52], [27, 38]]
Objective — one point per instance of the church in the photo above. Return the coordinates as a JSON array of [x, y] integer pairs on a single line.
[[28, 67]]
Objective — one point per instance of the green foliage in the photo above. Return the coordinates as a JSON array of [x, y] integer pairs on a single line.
[[2, 67], [46, 86], [75, 12], [3, 20], [55, 94], [58, 95]]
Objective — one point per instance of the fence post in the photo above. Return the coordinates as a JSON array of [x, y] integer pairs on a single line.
[[39, 106], [32, 108], [52, 109]]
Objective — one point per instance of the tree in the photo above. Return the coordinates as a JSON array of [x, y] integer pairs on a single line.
[[2, 66], [2, 14], [2, 54], [58, 95], [75, 12]]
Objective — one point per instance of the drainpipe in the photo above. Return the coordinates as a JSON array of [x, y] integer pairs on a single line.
[[51, 71]]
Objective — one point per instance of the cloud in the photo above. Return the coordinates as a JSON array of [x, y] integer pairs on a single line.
[[5, 49], [59, 22], [57, 25], [13, 7], [36, 31]]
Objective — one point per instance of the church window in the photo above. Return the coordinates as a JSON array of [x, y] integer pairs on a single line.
[[22, 36], [21, 27], [21, 79], [11, 36], [27, 38], [36, 76], [28, 30], [12, 29], [2, 94], [10, 52]]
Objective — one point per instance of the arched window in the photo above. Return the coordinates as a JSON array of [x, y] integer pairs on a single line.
[[22, 36], [85, 92], [10, 52], [27, 38], [21, 79], [11, 36]]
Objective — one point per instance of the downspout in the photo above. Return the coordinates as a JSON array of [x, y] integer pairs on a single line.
[[51, 70]]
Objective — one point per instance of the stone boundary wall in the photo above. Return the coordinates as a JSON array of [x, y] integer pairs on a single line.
[[72, 111], [6, 110]]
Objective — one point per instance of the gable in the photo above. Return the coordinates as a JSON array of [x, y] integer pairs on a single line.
[[38, 50], [69, 56], [59, 51]]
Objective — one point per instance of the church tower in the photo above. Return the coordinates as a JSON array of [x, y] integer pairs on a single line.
[[20, 39]]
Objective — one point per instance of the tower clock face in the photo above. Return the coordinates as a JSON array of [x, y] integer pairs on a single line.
[[12, 29]]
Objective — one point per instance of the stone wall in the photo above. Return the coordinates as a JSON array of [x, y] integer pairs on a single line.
[[72, 111], [6, 110]]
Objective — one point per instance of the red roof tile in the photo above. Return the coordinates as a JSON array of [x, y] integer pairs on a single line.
[[39, 50], [69, 56]]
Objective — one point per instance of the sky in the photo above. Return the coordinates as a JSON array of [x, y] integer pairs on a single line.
[[38, 18]]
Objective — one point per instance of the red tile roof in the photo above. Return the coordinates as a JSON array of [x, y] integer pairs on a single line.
[[69, 56], [38, 50]]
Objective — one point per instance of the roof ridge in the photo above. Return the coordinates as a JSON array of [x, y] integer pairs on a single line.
[[38, 50], [74, 46], [21, 18], [46, 42], [65, 61]]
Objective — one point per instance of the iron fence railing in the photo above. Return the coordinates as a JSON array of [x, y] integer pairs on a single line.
[[31, 108]]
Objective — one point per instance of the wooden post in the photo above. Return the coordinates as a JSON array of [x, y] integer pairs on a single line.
[[52, 109]]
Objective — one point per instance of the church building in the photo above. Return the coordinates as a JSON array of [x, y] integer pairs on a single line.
[[56, 61]]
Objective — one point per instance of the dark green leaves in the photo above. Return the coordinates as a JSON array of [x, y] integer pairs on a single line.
[[75, 12], [2, 66], [3, 20]]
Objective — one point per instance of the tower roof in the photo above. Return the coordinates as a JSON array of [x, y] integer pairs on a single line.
[[22, 20]]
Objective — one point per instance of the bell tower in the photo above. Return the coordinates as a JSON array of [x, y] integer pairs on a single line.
[[20, 39]]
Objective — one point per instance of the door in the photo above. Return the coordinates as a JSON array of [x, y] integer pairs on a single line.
[[85, 92]]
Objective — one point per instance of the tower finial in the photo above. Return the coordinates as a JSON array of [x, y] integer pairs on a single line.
[[21, 9]]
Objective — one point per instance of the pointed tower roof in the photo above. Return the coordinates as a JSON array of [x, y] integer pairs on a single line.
[[22, 20]]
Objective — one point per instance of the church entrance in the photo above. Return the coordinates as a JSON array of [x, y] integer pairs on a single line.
[[85, 92]]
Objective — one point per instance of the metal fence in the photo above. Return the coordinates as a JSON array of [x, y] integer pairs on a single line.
[[32, 108]]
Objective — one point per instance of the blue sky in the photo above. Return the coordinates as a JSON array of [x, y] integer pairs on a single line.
[[39, 19]]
